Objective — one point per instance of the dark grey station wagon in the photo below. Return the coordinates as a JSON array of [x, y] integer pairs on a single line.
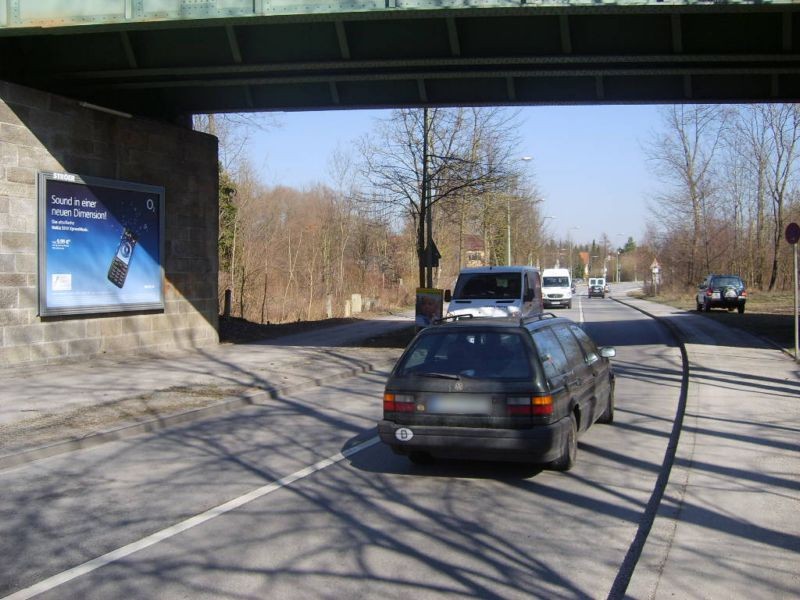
[[498, 389]]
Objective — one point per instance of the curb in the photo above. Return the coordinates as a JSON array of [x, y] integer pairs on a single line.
[[233, 403]]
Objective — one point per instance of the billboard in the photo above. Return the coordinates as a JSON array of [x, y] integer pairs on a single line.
[[101, 245]]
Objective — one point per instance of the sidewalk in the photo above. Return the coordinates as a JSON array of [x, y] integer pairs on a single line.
[[59, 408], [727, 526]]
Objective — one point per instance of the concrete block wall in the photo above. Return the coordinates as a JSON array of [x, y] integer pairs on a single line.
[[44, 132]]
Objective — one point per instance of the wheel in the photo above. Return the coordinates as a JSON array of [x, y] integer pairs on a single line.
[[420, 458], [741, 309], [569, 304], [706, 305], [608, 414], [569, 452], [699, 306], [730, 309]]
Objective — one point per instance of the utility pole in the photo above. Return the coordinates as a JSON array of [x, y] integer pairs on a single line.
[[508, 229], [426, 191], [424, 227]]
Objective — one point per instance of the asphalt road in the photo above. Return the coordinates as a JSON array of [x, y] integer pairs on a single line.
[[363, 525]]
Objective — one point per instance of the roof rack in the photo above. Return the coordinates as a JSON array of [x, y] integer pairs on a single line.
[[539, 317], [452, 318]]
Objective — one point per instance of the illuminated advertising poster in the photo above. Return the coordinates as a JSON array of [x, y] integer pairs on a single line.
[[100, 245]]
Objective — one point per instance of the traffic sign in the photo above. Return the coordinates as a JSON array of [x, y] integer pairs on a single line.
[[432, 255], [793, 233]]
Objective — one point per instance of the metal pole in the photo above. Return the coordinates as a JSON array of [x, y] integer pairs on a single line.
[[426, 194], [796, 308], [508, 230]]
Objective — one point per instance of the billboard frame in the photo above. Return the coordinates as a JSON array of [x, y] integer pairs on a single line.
[[45, 310]]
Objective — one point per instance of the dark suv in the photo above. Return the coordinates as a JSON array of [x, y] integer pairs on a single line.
[[498, 389], [721, 291]]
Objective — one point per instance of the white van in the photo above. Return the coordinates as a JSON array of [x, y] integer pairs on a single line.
[[496, 292], [597, 287], [556, 288]]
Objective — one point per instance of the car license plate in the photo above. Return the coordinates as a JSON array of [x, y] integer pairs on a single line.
[[458, 404], [715, 295]]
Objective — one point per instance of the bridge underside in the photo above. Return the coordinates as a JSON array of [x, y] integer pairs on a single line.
[[558, 54]]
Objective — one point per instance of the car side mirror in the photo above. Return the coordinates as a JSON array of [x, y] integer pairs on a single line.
[[447, 296], [608, 351]]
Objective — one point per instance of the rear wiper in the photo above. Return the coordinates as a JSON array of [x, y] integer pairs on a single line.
[[439, 375]]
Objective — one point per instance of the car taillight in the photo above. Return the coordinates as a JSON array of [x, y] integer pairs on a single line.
[[542, 405], [518, 405], [743, 294], [709, 292], [398, 402], [529, 405]]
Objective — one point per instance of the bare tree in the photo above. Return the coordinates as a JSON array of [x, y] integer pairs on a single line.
[[467, 151], [683, 155], [749, 144], [783, 122], [234, 132]]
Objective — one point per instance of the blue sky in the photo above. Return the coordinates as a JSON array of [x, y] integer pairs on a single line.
[[587, 161]]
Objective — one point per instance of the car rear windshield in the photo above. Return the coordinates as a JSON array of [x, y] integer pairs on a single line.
[[476, 286], [555, 281], [727, 281], [477, 354]]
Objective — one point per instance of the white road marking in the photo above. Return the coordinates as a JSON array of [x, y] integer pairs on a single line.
[[159, 536], [580, 309]]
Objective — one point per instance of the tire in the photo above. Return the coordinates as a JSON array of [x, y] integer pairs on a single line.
[[699, 306], [420, 458], [608, 414], [741, 309], [569, 304], [569, 452], [706, 305]]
